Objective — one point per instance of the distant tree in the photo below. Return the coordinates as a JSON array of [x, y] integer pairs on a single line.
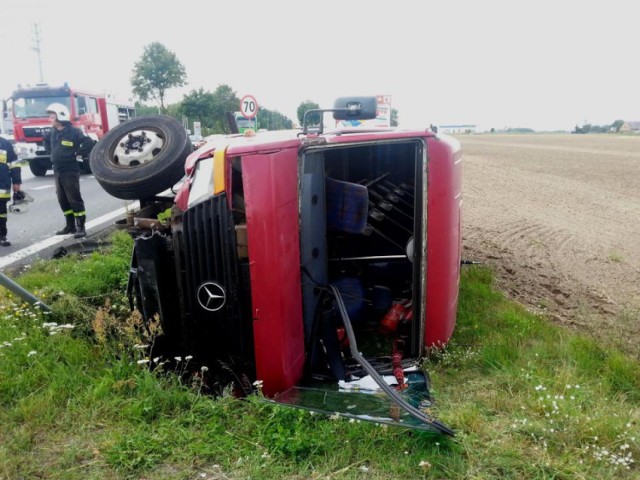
[[615, 126], [273, 120], [224, 100], [142, 109], [520, 130], [210, 109], [313, 119], [174, 110], [157, 71], [394, 117], [198, 105]]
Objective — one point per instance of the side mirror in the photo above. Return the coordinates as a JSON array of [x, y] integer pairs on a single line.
[[355, 108]]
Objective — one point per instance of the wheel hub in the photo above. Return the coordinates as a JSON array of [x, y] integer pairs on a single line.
[[138, 148]]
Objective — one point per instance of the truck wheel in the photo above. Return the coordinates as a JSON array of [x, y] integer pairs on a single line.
[[141, 157], [38, 168]]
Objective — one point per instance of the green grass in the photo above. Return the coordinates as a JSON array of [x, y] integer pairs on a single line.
[[527, 399]]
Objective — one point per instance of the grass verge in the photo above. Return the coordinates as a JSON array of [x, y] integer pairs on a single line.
[[526, 398]]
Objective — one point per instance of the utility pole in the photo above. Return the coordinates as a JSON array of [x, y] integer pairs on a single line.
[[36, 47]]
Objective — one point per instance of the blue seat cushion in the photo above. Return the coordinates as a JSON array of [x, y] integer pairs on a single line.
[[347, 206]]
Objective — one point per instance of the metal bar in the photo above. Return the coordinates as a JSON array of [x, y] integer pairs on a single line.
[[375, 257], [393, 197], [394, 396], [380, 198], [386, 217], [388, 239], [376, 180], [404, 188], [22, 293]]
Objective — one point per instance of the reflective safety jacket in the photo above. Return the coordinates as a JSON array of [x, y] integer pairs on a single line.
[[64, 146], [7, 155]]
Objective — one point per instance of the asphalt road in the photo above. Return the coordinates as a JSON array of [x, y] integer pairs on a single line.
[[32, 230]]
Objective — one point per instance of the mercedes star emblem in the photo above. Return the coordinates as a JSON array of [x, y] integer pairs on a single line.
[[211, 296]]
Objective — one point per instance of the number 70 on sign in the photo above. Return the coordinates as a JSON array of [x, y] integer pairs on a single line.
[[248, 106]]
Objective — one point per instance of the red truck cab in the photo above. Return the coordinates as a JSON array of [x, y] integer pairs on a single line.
[[320, 264], [93, 113]]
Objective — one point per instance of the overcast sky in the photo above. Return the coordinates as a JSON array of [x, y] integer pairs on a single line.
[[494, 63]]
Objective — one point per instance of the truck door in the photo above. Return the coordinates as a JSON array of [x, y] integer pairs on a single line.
[[88, 116]]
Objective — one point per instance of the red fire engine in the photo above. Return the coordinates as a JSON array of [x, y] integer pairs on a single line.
[[93, 113]]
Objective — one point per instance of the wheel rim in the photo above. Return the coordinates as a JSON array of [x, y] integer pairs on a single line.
[[138, 148]]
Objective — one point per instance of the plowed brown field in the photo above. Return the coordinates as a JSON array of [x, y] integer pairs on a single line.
[[557, 217]]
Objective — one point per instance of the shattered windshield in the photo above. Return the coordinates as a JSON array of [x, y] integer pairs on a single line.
[[363, 400]]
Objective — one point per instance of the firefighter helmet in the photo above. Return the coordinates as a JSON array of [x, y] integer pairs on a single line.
[[61, 112]]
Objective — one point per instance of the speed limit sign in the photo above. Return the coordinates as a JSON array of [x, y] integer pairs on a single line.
[[248, 106]]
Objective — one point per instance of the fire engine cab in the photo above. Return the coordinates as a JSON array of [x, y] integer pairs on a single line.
[[321, 265], [93, 113]]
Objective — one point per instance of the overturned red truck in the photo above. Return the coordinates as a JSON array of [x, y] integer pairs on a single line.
[[318, 263]]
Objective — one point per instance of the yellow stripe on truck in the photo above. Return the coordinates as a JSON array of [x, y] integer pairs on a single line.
[[218, 171]]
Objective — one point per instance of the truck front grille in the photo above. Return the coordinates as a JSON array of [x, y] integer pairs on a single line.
[[206, 259], [35, 132]]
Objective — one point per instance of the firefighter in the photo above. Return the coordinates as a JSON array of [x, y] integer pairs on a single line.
[[64, 143], [7, 155]]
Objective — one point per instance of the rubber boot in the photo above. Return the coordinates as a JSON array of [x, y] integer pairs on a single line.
[[70, 228], [80, 231]]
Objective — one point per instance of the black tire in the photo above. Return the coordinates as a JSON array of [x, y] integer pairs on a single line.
[[141, 157], [39, 166]]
